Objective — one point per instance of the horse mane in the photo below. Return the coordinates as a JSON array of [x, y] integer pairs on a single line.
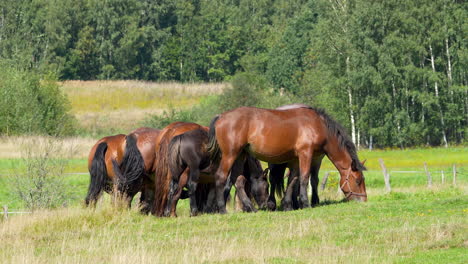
[[337, 130]]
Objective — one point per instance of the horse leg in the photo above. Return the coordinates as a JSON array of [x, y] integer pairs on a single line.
[[286, 203], [247, 205], [276, 178], [146, 199], [314, 181], [296, 204], [177, 192], [221, 176], [192, 187], [304, 167], [289, 201], [211, 200]]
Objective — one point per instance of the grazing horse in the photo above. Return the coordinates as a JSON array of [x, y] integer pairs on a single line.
[[188, 151], [300, 137], [277, 179], [162, 178], [124, 162]]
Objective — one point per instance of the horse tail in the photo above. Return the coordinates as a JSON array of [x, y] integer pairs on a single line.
[[174, 159], [98, 174], [213, 147], [162, 178], [132, 167], [277, 178]]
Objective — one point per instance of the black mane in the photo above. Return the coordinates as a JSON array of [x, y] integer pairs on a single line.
[[344, 141]]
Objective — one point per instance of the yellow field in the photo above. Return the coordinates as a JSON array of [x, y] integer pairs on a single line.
[[122, 105]]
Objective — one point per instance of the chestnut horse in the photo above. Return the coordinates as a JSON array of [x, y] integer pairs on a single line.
[[124, 163], [300, 137], [188, 151]]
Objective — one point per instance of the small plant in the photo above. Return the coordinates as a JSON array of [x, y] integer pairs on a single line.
[[41, 183]]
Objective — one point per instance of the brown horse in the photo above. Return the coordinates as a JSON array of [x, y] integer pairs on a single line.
[[123, 163], [300, 137], [188, 151], [162, 176], [184, 162]]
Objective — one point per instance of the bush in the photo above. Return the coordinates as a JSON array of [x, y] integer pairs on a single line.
[[32, 104], [41, 184]]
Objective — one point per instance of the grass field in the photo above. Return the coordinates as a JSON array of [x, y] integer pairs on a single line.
[[413, 224], [119, 106]]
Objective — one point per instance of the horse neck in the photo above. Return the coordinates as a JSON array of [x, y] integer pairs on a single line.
[[338, 156]]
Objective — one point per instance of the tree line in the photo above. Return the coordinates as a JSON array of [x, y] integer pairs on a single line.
[[394, 72]]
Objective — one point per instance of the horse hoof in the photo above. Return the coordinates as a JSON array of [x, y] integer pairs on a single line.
[[287, 206], [271, 206]]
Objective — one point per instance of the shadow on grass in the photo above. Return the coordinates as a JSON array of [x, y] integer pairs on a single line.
[[322, 203]]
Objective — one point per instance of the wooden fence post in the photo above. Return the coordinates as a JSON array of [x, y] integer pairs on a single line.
[[443, 177], [386, 176], [454, 175], [5, 212], [324, 180], [429, 177]]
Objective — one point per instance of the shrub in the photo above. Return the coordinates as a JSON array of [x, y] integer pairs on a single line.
[[41, 184], [33, 104]]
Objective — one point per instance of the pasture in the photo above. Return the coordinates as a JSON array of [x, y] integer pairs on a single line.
[[412, 224]]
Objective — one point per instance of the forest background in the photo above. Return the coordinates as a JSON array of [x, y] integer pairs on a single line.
[[394, 73]]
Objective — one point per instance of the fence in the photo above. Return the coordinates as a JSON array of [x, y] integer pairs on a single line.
[[386, 175]]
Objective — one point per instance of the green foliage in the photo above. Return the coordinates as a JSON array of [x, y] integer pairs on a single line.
[[398, 69], [30, 104], [41, 184]]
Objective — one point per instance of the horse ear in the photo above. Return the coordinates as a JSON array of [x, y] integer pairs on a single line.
[[363, 162], [265, 173]]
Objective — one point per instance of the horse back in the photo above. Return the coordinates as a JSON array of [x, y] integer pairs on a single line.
[[272, 134]]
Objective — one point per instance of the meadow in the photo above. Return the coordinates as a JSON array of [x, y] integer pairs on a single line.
[[120, 106], [411, 224]]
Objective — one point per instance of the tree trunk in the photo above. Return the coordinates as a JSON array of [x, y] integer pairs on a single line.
[[436, 89], [350, 96]]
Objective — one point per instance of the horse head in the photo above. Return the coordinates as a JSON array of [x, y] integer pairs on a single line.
[[353, 183]]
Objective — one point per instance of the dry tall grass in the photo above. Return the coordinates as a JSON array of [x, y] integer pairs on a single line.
[[97, 96], [121, 105], [77, 147]]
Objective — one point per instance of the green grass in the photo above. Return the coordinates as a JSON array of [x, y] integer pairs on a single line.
[[426, 226], [438, 159], [412, 224]]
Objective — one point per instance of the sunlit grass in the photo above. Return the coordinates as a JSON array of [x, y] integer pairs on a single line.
[[422, 226], [113, 107], [108, 96]]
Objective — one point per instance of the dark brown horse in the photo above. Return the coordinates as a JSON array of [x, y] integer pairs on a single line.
[[188, 151], [162, 176], [182, 161], [123, 163], [300, 137]]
